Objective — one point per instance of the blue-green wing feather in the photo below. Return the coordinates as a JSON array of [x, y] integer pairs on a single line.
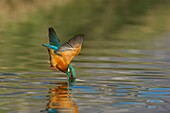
[[53, 38], [50, 47]]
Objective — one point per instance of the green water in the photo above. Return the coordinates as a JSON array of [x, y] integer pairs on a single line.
[[123, 66], [123, 80]]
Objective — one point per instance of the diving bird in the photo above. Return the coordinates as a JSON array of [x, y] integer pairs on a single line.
[[62, 54]]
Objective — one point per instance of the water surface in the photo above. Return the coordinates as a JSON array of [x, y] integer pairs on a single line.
[[112, 77]]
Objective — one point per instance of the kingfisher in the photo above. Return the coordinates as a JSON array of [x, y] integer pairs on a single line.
[[60, 55]]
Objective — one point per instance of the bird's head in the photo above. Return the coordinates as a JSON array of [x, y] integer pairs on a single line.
[[71, 73]]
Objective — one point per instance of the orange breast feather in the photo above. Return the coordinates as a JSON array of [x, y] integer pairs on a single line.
[[57, 61]]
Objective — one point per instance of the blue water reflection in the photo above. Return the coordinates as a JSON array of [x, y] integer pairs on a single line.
[[128, 103]]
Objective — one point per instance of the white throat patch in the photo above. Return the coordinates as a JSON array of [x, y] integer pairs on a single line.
[[68, 70]]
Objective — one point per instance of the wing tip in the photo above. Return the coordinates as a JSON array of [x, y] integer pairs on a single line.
[[80, 35], [50, 29]]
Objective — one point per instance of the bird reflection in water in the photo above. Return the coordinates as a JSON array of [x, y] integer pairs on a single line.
[[60, 98]]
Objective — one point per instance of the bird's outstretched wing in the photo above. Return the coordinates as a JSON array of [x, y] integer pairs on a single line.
[[53, 38], [71, 48]]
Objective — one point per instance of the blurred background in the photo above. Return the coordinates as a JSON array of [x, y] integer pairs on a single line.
[[24, 25], [126, 51]]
